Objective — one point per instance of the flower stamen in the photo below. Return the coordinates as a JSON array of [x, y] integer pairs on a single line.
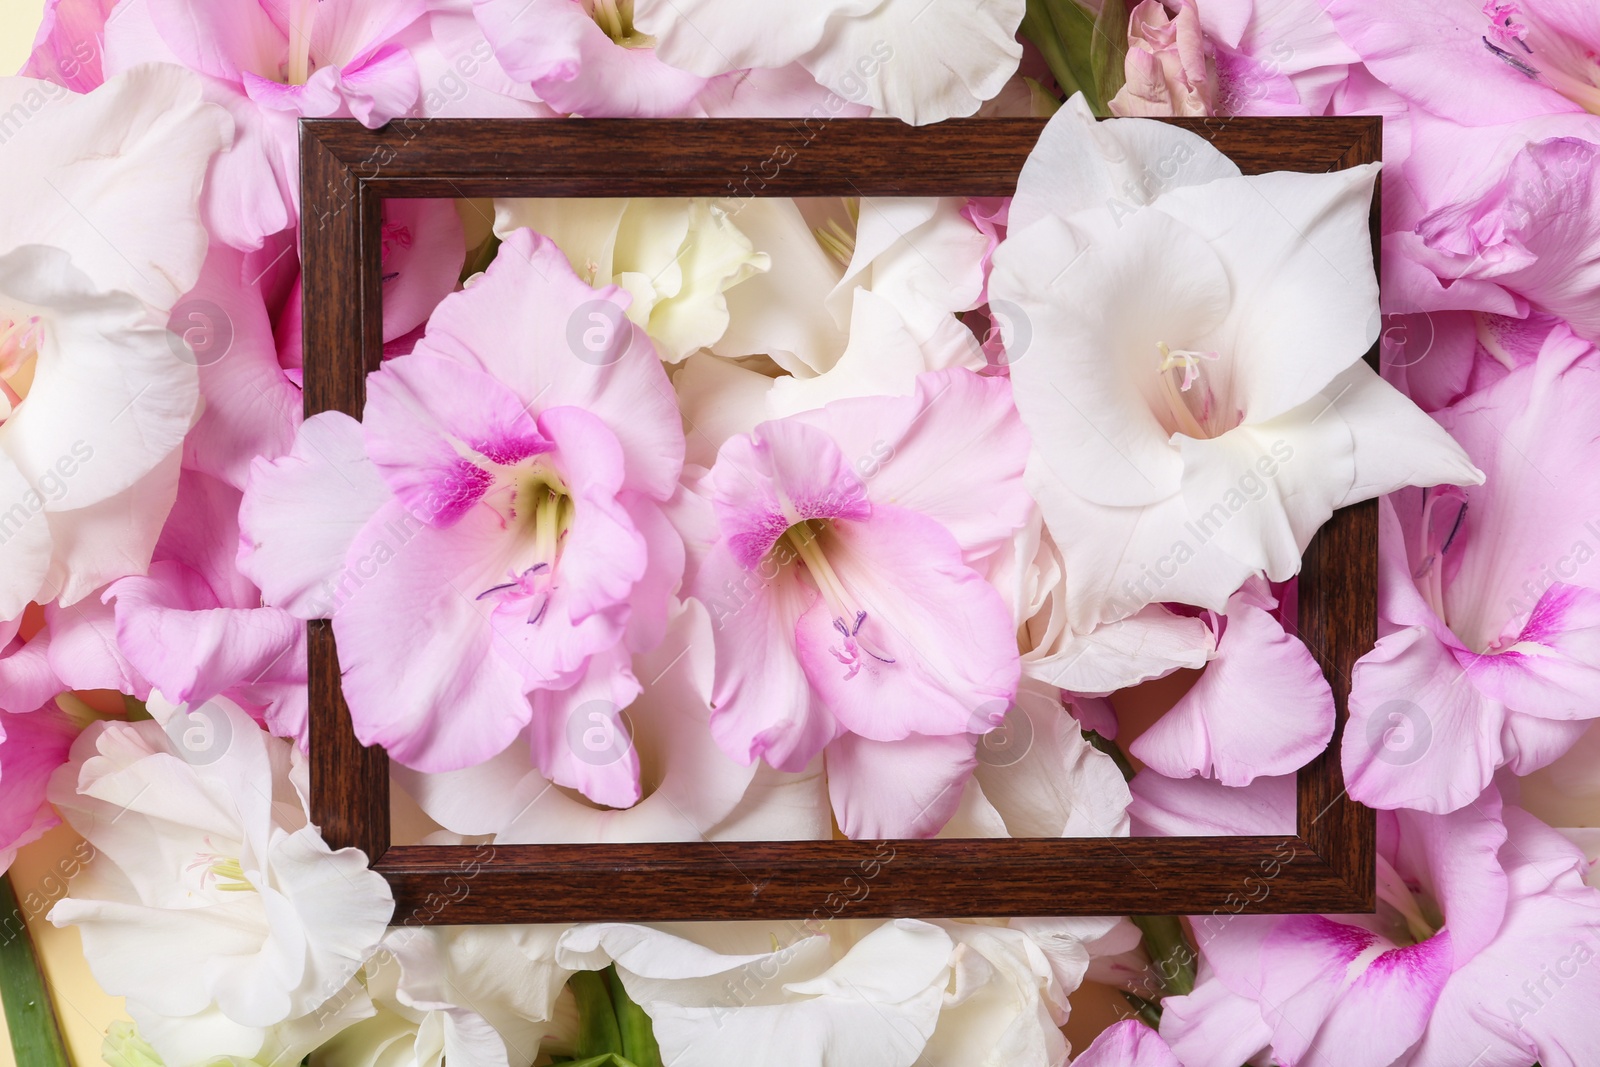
[[837, 241], [803, 539], [1173, 391], [1429, 573], [226, 870], [302, 17]]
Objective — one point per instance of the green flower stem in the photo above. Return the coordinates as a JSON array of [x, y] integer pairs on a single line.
[[598, 1034], [638, 1036], [35, 1034], [1170, 951], [1148, 1010]]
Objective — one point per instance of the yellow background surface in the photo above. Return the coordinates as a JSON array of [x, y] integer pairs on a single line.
[[19, 21]]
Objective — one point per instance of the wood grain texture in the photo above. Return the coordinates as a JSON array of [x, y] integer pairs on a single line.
[[348, 170]]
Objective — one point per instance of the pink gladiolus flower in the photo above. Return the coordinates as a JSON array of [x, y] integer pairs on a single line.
[[1514, 233], [70, 44], [585, 57], [1276, 57], [1479, 61], [1260, 707], [1476, 916], [1168, 69], [1490, 614], [32, 746], [489, 542], [270, 62], [194, 627], [847, 590]]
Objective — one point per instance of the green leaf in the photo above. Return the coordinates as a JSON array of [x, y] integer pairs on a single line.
[[597, 1020], [1042, 103], [1108, 50], [638, 1035], [1038, 27], [1084, 51], [1169, 950], [35, 1035]]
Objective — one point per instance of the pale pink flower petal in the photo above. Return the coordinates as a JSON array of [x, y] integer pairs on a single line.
[[300, 566], [764, 707], [907, 788], [68, 47], [1129, 1043], [1261, 706], [935, 653], [1451, 58], [560, 49], [399, 676], [32, 746], [1203, 807]]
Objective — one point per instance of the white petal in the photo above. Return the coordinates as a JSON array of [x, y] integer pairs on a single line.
[[1152, 643], [110, 397], [914, 251], [24, 541], [113, 177], [709, 37], [1059, 785], [1080, 165], [1396, 444], [112, 538], [1088, 383], [919, 60], [1298, 252], [783, 313], [1120, 559]]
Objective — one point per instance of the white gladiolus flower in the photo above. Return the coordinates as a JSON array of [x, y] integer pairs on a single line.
[[676, 258], [455, 996], [918, 60], [1194, 383], [99, 236], [212, 904]]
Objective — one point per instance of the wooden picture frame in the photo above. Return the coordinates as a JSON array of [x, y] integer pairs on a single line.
[[347, 171]]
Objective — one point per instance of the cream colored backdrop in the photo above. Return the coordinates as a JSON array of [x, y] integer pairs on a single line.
[[19, 20]]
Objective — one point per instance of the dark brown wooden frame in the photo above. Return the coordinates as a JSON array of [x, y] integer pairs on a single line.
[[347, 171]]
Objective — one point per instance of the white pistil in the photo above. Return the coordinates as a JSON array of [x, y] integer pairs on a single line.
[[1171, 391], [847, 619], [804, 541], [1393, 891], [302, 17], [1491, 341]]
